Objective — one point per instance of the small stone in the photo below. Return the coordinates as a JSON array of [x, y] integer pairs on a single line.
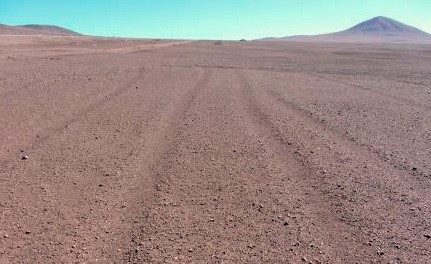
[[6, 236], [24, 157], [304, 259], [27, 232], [427, 236]]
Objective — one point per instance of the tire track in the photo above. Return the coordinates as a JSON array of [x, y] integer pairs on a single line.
[[354, 192], [385, 96], [362, 148], [76, 117], [137, 215], [307, 186], [114, 206], [209, 196]]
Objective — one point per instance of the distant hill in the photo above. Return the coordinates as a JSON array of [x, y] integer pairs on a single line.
[[36, 30], [378, 29]]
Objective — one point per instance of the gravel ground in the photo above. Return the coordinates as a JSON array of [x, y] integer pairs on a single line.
[[191, 152]]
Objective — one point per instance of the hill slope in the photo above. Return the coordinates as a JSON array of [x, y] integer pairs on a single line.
[[36, 30], [378, 29]]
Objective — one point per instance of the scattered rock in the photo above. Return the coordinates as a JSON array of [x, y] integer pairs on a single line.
[[6, 236], [27, 232], [25, 157], [427, 236]]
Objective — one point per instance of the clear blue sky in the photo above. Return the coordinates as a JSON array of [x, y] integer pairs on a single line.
[[210, 19]]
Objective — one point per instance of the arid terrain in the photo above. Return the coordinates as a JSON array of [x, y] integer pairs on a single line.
[[127, 151]]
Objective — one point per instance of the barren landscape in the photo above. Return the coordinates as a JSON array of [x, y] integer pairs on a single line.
[[128, 151]]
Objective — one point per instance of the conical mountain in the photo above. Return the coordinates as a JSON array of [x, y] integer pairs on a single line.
[[384, 26], [378, 29]]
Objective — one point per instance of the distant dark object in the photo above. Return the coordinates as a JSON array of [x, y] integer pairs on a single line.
[[376, 30], [243, 40], [218, 42], [36, 30], [157, 40]]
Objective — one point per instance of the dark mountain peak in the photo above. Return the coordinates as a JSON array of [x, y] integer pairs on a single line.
[[381, 26], [375, 30]]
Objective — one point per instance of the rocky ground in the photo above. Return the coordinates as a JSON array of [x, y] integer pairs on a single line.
[[171, 152]]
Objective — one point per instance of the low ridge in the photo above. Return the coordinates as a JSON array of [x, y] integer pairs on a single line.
[[36, 30]]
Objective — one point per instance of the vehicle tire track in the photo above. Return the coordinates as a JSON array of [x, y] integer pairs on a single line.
[[385, 96], [354, 192], [143, 200], [307, 187], [49, 132], [358, 147]]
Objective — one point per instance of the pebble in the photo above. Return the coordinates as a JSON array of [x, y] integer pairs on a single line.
[[427, 236], [6, 236], [24, 157]]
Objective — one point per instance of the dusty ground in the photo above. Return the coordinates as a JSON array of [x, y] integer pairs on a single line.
[[201, 153]]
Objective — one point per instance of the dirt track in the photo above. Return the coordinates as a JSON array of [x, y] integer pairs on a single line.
[[203, 153]]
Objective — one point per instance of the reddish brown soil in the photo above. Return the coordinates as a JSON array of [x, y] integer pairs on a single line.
[[201, 153]]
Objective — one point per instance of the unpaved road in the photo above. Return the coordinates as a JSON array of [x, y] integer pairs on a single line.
[[203, 153]]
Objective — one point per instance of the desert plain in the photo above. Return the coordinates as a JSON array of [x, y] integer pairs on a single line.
[[139, 151]]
